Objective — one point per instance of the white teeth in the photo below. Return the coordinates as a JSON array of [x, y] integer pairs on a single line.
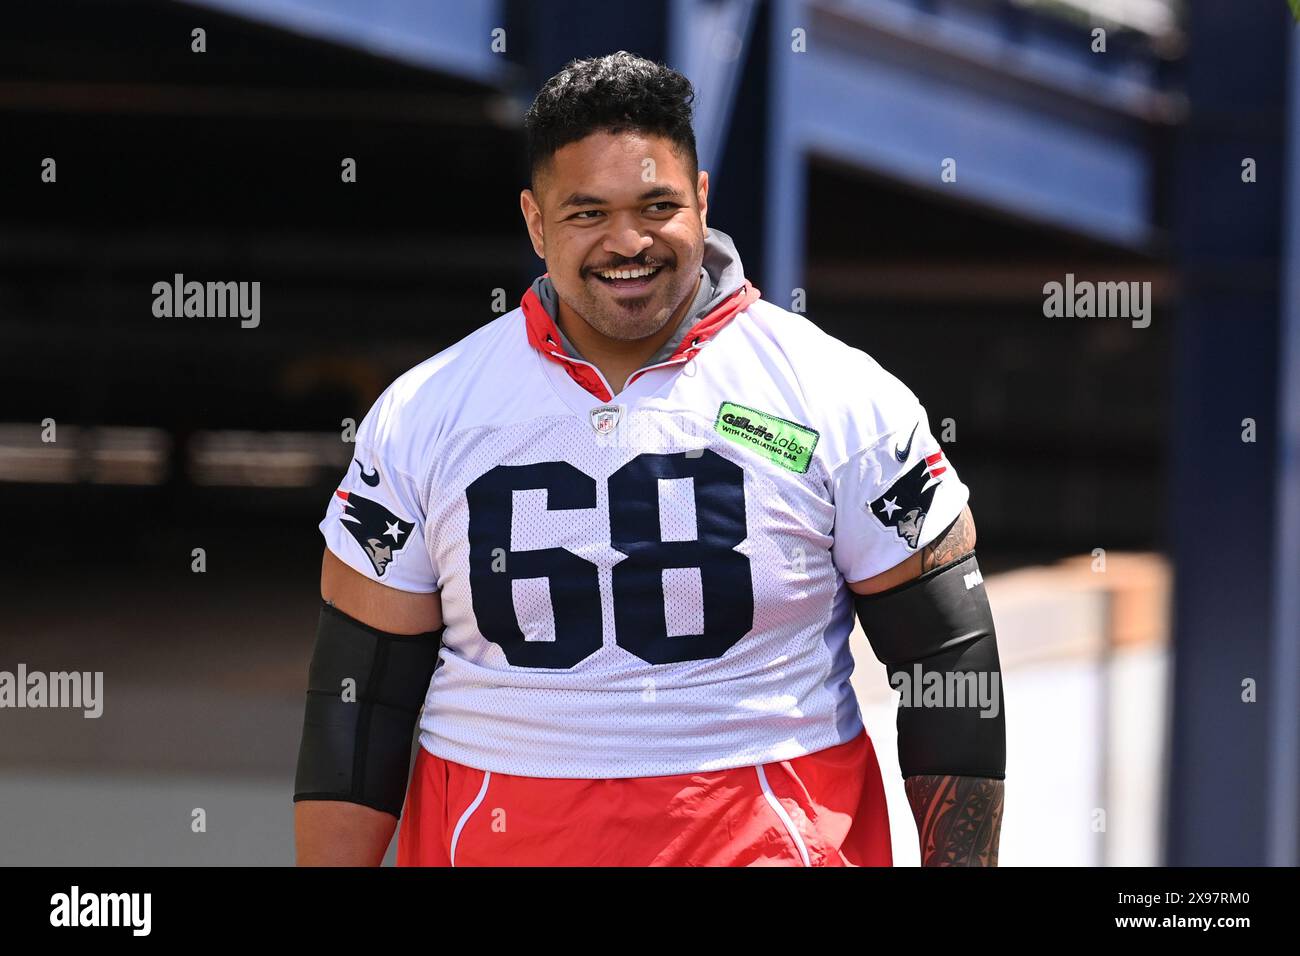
[[629, 273]]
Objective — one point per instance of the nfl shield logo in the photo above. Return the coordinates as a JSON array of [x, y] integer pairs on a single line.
[[604, 418]]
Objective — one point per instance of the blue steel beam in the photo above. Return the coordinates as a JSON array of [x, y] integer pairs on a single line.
[[452, 38], [1038, 125], [1232, 527], [785, 211], [1042, 165], [1283, 804], [709, 41]]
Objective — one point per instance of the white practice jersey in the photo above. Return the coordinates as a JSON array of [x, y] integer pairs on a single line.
[[651, 582]]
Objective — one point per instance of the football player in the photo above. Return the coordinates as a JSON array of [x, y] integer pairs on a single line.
[[607, 552]]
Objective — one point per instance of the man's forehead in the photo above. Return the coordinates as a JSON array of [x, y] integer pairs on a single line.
[[615, 167]]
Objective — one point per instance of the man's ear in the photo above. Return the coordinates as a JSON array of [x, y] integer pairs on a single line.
[[532, 211], [702, 196]]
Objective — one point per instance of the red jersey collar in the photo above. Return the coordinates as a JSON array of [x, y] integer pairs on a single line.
[[544, 336]]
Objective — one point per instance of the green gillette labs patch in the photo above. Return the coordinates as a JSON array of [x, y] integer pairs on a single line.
[[779, 441]]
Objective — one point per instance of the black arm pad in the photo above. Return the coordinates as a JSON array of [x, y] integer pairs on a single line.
[[356, 741], [935, 636]]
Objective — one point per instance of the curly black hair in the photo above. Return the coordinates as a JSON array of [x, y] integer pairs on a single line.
[[615, 93]]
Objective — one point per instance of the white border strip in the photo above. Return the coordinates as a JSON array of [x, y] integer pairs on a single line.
[[775, 804], [469, 811]]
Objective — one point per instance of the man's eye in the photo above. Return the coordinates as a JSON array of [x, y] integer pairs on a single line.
[[671, 205], [579, 215]]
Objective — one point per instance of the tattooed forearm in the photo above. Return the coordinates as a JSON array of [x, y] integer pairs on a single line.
[[956, 542], [959, 819]]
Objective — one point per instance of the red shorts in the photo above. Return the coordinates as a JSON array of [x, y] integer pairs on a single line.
[[822, 809]]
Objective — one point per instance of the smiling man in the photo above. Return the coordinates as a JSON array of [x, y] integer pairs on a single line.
[[609, 548]]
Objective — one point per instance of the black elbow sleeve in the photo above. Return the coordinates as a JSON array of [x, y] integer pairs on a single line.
[[364, 692], [935, 636]]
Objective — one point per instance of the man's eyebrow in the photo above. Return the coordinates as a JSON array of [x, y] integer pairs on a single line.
[[658, 192]]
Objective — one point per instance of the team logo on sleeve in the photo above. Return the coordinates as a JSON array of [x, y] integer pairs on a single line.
[[380, 533], [904, 506]]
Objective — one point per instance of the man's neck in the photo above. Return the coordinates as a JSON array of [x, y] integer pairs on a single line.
[[617, 358]]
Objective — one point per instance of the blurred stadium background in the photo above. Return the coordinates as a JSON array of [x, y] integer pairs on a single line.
[[1141, 558]]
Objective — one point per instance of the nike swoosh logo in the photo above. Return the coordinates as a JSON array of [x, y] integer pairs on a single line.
[[902, 453], [371, 479]]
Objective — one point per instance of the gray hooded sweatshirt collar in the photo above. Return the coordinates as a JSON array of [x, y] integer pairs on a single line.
[[721, 275]]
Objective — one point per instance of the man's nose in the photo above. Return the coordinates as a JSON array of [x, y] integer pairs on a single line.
[[627, 242]]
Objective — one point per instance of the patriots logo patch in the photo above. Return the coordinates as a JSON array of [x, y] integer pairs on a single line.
[[380, 533], [905, 504]]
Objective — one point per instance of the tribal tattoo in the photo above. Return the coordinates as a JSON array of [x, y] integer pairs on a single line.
[[959, 819]]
